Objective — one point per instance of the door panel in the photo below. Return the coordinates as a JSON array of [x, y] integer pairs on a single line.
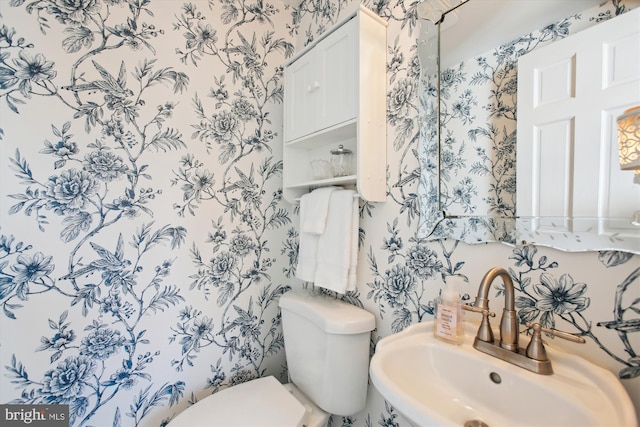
[[569, 95]]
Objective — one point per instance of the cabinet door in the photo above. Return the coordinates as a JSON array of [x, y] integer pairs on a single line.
[[301, 96], [337, 59]]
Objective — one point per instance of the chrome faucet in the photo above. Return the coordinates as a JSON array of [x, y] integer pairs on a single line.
[[534, 357]]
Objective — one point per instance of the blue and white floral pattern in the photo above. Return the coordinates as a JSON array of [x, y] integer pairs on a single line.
[[144, 241], [97, 185]]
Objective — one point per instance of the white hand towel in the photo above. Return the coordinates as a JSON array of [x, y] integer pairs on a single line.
[[307, 257], [314, 208], [336, 243], [355, 240]]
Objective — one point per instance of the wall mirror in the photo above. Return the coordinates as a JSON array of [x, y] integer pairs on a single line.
[[471, 187]]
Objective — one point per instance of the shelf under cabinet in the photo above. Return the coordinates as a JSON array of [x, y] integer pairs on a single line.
[[339, 180], [328, 136], [294, 191]]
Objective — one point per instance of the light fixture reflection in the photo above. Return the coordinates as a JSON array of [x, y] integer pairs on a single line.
[[629, 141]]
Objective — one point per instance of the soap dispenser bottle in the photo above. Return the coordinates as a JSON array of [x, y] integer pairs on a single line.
[[449, 322]]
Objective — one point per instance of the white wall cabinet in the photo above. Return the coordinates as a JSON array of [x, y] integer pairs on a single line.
[[335, 93], [569, 180], [321, 86]]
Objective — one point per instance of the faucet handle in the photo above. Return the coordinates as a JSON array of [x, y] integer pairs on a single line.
[[480, 310], [536, 350], [485, 333]]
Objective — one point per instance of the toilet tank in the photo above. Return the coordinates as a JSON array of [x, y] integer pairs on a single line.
[[327, 348]]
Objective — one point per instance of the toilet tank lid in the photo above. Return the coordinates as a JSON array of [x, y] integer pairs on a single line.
[[330, 314]]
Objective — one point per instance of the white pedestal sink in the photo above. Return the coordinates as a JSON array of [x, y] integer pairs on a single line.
[[434, 383]]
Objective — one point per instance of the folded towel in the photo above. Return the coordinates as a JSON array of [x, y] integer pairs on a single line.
[[336, 244], [355, 240], [313, 217], [307, 257], [314, 207]]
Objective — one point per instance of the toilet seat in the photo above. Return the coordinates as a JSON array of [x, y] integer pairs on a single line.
[[260, 402]]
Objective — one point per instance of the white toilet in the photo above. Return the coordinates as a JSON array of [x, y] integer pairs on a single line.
[[327, 351]]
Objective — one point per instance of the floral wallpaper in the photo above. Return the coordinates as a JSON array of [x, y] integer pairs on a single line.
[[141, 203], [143, 239]]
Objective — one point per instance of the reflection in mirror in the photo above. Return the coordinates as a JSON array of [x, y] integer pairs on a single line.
[[431, 213], [468, 121], [454, 201]]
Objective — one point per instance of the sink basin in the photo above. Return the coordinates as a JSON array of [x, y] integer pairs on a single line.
[[434, 383]]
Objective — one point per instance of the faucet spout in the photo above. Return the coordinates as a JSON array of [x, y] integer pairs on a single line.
[[509, 324]]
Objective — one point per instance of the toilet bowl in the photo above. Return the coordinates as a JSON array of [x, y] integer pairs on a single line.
[[326, 344], [261, 402]]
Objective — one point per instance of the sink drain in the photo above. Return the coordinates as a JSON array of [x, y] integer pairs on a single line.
[[475, 423]]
